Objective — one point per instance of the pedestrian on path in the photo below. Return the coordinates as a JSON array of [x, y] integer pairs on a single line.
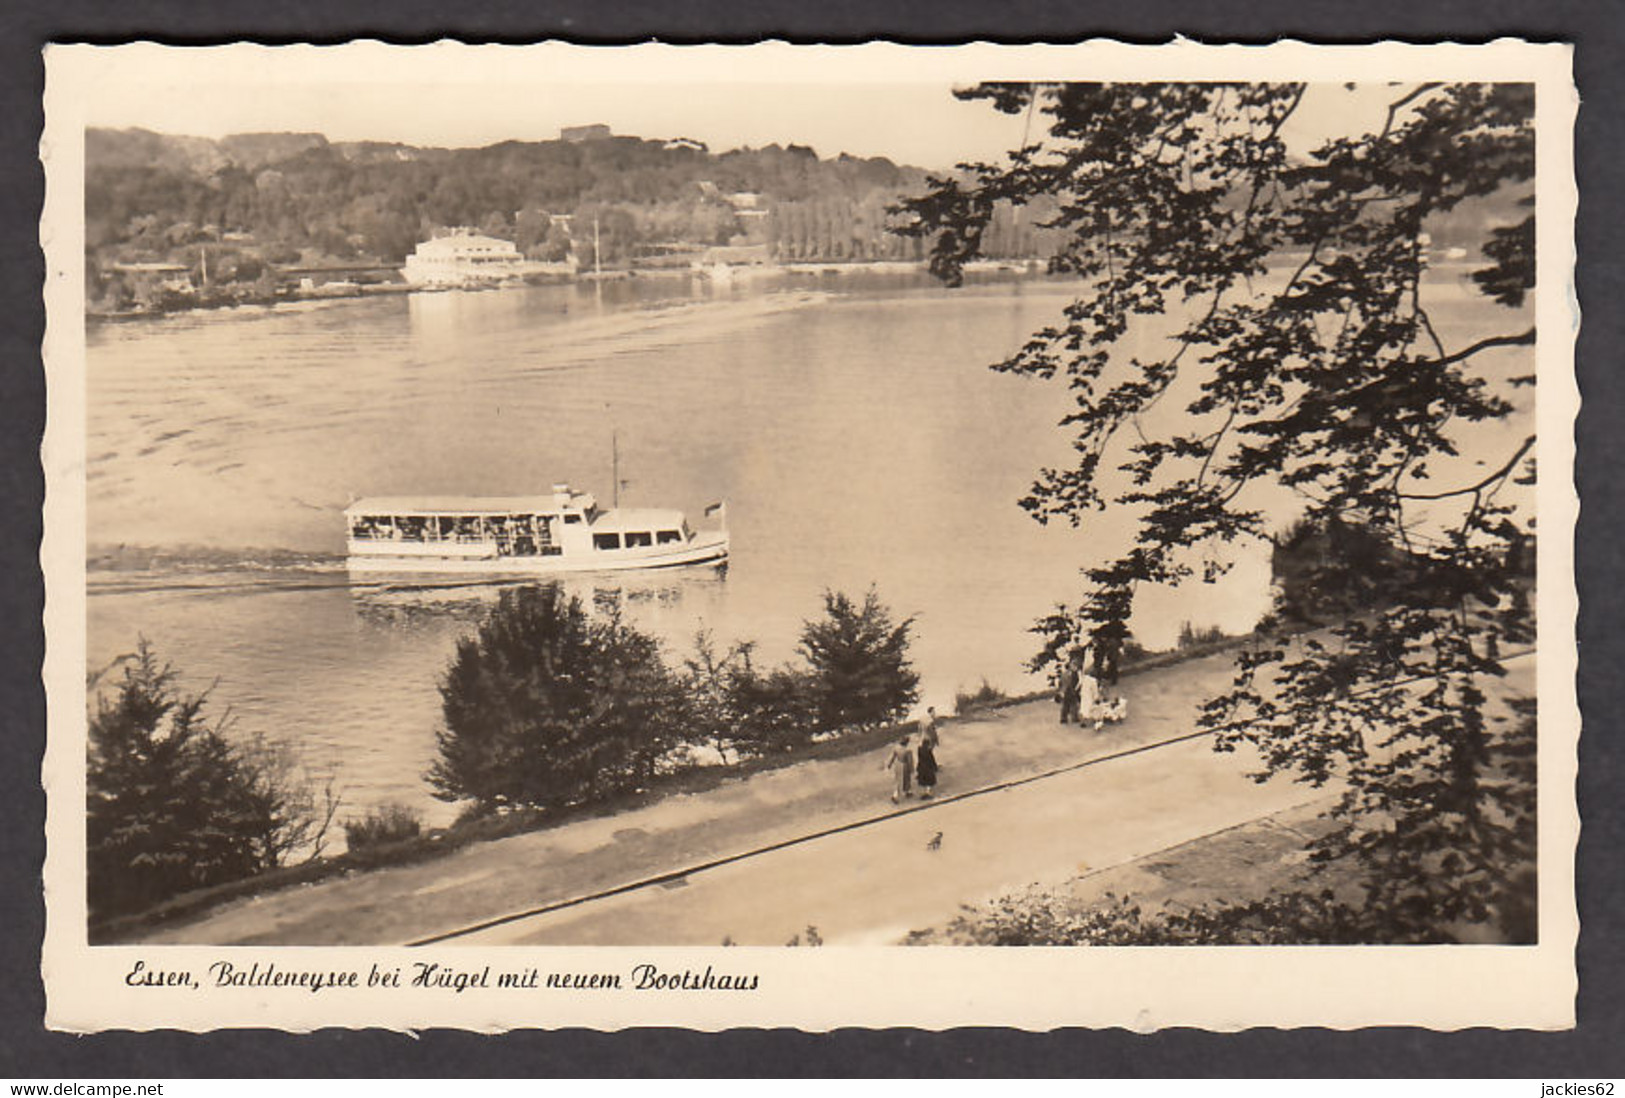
[[928, 727], [926, 770], [1067, 692], [901, 762], [1088, 697], [1108, 652], [1109, 711]]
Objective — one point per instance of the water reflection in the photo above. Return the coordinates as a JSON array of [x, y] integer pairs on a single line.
[[663, 603]]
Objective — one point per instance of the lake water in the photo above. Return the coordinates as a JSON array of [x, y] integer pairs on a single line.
[[850, 422]]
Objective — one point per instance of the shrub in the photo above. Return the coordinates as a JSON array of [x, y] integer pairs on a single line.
[[172, 805], [774, 710], [985, 695], [1191, 637], [706, 677], [732, 699], [860, 671], [1394, 909], [390, 823], [1134, 651], [1290, 918], [858, 676], [546, 706]]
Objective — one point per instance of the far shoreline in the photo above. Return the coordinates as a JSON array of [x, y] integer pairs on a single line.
[[258, 305]]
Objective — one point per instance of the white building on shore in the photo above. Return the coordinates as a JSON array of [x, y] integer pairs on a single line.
[[463, 258]]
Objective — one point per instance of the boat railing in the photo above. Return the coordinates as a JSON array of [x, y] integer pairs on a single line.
[[396, 536]]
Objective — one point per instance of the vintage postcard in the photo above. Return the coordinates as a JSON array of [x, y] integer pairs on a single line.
[[817, 537]]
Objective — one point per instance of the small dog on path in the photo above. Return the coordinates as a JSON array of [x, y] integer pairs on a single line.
[[935, 843]]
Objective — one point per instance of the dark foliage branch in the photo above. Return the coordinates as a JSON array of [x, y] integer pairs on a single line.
[[1305, 360]]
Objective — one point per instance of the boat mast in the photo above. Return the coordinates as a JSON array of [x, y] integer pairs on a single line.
[[615, 467], [597, 267]]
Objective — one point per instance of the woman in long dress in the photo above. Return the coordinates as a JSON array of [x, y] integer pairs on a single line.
[[926, 769], [901, 762]]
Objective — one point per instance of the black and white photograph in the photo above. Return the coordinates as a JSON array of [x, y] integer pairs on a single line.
[[810, 536]]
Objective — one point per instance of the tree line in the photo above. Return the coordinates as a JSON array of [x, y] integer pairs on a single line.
[[297, 198], [546, 706]]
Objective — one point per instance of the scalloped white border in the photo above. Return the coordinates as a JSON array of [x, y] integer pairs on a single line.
[[1444, 987]]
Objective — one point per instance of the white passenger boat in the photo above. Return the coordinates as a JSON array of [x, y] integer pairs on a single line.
[[563, 532]]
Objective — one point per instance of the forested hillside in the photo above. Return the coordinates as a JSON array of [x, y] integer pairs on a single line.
[[175, 221], [254, 200]]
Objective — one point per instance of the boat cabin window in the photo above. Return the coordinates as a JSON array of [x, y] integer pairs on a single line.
[[639, 539], [667, 537], [571, 519], [606, 541]]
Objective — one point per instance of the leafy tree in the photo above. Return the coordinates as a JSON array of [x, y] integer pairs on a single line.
[[1328, 571], [1192, 637], [857, 676], [1308, 369], [861, 674], [777, 709], [173, 805], [617, 234], [768, 710], [531, 227], [547, 706]]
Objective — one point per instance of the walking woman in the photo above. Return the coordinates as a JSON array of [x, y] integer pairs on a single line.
[[926, 769], [901, 760]]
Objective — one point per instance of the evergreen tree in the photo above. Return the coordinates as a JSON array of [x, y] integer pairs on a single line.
[[861, 674], [172, 805], [546, 706]]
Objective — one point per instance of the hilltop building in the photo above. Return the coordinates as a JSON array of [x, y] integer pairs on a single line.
[[596, 131]]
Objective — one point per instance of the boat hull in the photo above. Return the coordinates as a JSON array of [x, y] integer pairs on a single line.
[[700, 551]]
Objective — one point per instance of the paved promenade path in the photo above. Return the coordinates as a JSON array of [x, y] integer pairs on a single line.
[[871, 878], [871, 885]]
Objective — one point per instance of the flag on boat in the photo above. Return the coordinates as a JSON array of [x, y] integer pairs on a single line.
[[714, 508]]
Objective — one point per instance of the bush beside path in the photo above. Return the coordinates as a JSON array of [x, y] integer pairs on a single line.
[[487, 880]]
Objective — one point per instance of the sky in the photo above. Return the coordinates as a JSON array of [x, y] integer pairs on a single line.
[[920, 124], [463, 97]]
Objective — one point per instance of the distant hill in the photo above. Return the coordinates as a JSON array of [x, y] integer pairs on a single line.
[[259, 202], [124, 149], [379, 198], [255, 150]]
